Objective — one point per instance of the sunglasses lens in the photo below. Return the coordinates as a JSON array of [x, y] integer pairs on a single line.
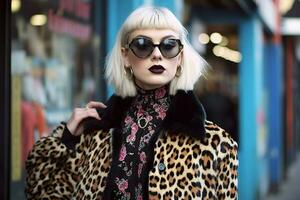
[[170, 48], [141, 47]]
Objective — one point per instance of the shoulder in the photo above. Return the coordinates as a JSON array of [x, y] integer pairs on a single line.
[[219, 139], [213, 130]]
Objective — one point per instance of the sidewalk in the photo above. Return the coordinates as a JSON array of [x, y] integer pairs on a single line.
[[290, 188]]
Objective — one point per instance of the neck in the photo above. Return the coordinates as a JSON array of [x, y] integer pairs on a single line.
[[161, 89], [148, 98]]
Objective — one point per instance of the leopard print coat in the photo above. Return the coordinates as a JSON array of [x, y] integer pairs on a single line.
[[192, 158]]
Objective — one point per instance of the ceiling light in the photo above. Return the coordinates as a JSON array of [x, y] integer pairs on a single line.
[[15, 6], [285, 5], [228, 54], [203, 38], [216, 38], [38, 20]]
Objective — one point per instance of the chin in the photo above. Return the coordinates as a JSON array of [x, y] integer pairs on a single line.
[[154, 82]]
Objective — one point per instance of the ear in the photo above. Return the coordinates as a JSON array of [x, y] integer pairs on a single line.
[[125, 56], [180, 57]]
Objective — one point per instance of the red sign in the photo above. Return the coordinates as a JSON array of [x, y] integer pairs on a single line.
[[61, 24]]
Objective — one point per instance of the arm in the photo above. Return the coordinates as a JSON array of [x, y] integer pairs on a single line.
[[227, 187], [52, 168]]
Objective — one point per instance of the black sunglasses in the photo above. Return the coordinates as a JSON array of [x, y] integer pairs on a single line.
[[143, 47]]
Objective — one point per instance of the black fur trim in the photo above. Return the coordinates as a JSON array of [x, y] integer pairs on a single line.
[[111, 116], [185, 115]]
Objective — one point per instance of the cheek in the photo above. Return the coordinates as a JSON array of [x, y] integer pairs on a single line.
[[134, 61], [173, 71], [175, 63]]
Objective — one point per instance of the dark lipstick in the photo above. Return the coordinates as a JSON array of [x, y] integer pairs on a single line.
[[157, 69]]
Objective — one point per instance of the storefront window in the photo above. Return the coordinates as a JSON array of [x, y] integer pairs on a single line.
[[56, 61]]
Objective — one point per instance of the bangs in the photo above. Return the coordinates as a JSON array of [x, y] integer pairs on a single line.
[[151, 18]]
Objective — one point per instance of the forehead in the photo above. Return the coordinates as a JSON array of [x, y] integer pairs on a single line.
[[154, 34]]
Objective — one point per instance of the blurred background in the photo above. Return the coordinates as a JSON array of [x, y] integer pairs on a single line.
[[53, 60]]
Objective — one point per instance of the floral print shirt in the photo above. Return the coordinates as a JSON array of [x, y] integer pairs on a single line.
[[142, 121]]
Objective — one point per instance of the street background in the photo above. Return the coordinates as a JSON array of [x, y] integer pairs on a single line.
[[251, 88]]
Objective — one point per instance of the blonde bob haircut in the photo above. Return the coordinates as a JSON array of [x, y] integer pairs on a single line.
[[152, 18]]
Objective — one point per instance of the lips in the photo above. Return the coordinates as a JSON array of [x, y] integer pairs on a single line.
[[157, 69]]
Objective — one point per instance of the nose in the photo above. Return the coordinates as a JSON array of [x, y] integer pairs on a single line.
[[156, 54]]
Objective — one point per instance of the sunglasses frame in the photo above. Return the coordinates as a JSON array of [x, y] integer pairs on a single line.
[[180, 46]]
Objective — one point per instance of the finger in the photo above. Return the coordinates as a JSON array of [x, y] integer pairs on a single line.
[[87, 113], [95, 104], [80, 113], [91, 112]]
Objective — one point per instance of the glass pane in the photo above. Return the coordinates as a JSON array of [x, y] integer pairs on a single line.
[[55, 60]]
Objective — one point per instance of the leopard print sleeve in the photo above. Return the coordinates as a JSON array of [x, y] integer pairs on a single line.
[[227, 187], [52, 168]]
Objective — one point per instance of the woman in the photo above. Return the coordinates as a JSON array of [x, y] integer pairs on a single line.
[[152, 141]]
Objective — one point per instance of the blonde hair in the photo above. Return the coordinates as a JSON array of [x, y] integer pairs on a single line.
[[147, 18]]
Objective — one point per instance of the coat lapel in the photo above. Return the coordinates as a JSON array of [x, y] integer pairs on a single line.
[[185, 115]]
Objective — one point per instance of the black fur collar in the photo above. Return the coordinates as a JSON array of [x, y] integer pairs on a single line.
[[185, 115]]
